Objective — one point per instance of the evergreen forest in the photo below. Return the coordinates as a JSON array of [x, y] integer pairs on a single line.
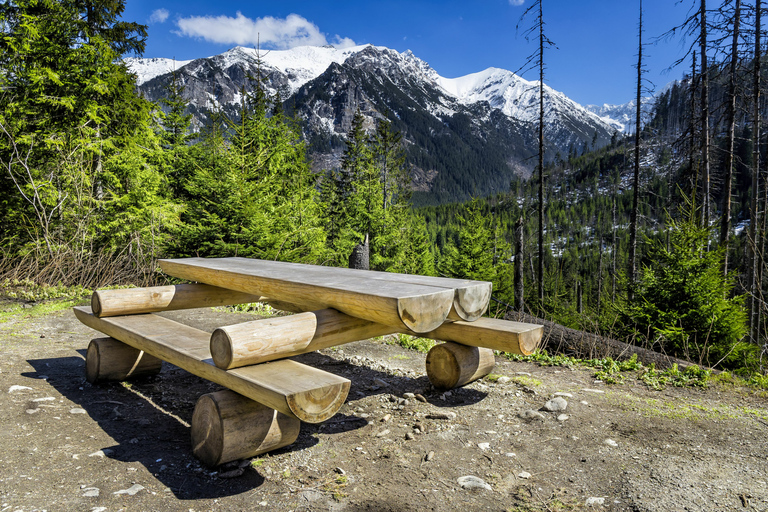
[[657, 238]]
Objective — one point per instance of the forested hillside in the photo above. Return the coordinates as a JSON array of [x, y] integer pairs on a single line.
[[97, 183]]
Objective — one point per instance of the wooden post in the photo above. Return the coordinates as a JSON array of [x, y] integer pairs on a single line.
[[227, 426], [134, 301], [108, 359], [451, 365]]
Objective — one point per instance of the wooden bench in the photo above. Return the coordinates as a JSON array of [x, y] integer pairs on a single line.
[[269, 394]]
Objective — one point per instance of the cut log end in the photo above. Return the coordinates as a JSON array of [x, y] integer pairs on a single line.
[[425, 313], [108, 359], [529, 341], [227, 426], [320, 404], [471, 302], [451, 365], [221, 349]]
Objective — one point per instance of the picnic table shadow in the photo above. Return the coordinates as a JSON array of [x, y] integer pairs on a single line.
[[148, 418]]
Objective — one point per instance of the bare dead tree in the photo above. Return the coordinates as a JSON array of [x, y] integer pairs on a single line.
[[754, 327], [725, 223], [536, 60], [632, 264]]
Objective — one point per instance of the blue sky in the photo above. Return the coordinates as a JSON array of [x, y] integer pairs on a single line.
[[593, 63]]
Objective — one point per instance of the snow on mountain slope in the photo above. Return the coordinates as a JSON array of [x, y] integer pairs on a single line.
[[516, 97], [502, 89], [300, 64], [147, 69]]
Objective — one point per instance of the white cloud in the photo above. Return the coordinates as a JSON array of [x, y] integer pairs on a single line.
[[159, 16], [516, 2], [267, 32]]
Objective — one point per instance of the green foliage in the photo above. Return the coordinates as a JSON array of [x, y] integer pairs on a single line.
[[682, 299], [611, 371], [251, 195], [80, 158], [415, 343], [479, 252]]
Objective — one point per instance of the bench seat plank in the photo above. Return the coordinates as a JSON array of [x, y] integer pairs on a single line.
[[292, 388]]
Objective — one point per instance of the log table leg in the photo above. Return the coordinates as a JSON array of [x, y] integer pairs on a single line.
[[451, 365], [227, 426], [110, 359]]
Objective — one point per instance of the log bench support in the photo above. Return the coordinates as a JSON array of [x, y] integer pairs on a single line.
[[450, 365], [108, 359], [227, 426]]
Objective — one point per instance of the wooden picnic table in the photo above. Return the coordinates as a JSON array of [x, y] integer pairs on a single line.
[[332, 305]]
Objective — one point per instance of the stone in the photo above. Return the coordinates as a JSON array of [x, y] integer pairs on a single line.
[[383, 433], [532, 415], [441, 415], [131, 491], [611, 442], [409, 436], [591, 502], [91, 492], [484, 446], [473, 482], [562, 417], [556, 404], [420, 398], [15, 388], [503, 379], [77, 410], [524, 475], [593, 390], [565, 395], [409, 395]]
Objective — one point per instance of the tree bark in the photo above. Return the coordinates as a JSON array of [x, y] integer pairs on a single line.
[[725, 224], [631, 264]]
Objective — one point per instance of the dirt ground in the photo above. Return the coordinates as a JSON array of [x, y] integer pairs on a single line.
[[68, 445]]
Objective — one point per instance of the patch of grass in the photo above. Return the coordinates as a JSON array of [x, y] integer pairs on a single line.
[[400, 356], [525, 380], [38, 310], [415, 343], [335, 487], [30, 291], [611, 371], [650, 408], [493, 377], [259, 308], [257, 463], [692, 376]]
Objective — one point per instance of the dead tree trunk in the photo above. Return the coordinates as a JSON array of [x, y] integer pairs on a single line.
[[725, 223]]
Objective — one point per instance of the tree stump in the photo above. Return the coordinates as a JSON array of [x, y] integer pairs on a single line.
[[361, 255], [451, 365], [109, 359], [227, 426]]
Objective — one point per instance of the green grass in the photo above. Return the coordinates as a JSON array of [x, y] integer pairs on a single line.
[[414, 342], [30, 291], [616, 372]]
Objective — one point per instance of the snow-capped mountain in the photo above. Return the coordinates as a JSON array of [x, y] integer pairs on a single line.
[[465, 136]]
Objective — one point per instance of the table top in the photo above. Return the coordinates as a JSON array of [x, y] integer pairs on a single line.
[[419, 303]]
